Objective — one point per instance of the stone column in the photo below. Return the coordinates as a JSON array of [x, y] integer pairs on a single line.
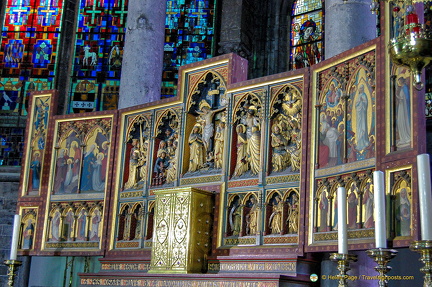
[[143, 53], [347, 25], [235, 34]]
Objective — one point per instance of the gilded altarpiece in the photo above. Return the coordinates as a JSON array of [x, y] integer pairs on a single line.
[[343, 149], [206, 124], [265, 151], [167, 152], [130, 216], [285, 132], [78, 184]]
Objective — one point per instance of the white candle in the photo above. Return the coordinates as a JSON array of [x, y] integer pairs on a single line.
[[425, 199], [342, 221], [379, 210], [15, 236]]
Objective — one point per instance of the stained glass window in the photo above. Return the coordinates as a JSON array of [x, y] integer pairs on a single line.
[[31, 31], [98, 55], [189, 37], [306, 33], [28, 51]]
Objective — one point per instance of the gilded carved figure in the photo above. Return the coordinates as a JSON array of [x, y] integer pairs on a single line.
[[242, 164], [293, 214], [205, 118], [285, 139], [252, 218], [219, 145], [235, 217], [166, 148], [133, 177], [171, 172], [280, 158], [253, 136], [276, 215], [197, 149]]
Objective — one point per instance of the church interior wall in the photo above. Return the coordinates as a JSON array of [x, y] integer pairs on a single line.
[[117, 209]]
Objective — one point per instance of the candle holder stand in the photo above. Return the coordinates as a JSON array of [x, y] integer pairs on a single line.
[[424, 247], [12, 267], [382, 257], [343, 261]]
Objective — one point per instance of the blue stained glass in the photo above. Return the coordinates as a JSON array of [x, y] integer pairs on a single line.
[[189, 37]]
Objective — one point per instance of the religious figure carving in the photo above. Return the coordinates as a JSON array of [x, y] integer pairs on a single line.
[[161, 166], [235, 218], [276, 216], [294, 150], [205, 118], [142, 161], [219, 145], [242, 164], [138, 217], [253, 135], [196, 146], [293, 212], [171, 173], [252, 218], [280, 159], [133, 165]]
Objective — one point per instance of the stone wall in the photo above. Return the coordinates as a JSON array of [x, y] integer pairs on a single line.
[[9, 183]]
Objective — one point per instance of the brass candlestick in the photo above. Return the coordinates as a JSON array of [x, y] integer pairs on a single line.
[[12, 267], [382, 256], [424, 247], [343, 261]]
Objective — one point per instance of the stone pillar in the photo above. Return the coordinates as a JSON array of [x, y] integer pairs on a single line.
[[143, 53], [235, 33], [347, 25]]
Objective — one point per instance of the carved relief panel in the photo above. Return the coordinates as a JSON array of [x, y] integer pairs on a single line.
[[206, 126], [166, 151], [137, 143], [248, 125]]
